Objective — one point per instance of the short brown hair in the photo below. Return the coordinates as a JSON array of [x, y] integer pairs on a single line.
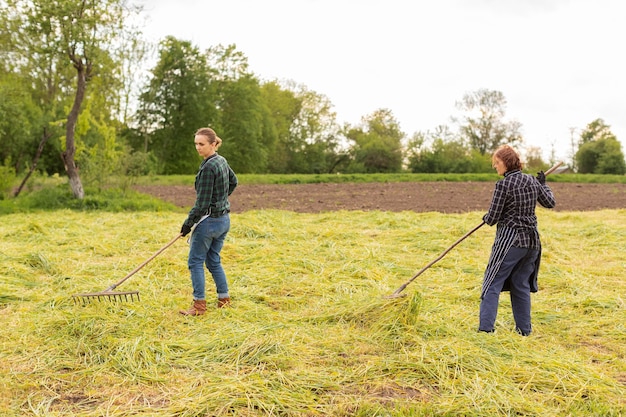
[[210, 134], [508, 156]]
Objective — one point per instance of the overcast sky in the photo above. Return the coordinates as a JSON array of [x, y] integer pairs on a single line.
[[559, 63]]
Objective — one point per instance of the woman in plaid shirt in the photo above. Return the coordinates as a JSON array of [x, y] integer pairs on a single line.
[[209, 220], [516, 252]]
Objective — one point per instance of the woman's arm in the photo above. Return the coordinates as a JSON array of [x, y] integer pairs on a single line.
[[546, 197], [232, 181], [204, 193], [497, 205]]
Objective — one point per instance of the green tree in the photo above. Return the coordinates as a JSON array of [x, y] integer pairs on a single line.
[[20, 121], [534, 161], [314, 133], [100, 151], [244, 120], [307, 132], [241, 123], [377, 143], [132, 53], [484, 127], [442, 151], [600, 152], [595, 130], [68, 37], [283, 107], [173, 105], [190, 89], [35, 73]]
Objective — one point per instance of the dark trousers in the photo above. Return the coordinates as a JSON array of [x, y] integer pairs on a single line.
[[518, 266]]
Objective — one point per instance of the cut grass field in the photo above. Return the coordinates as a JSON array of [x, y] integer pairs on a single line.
[[310, 332]]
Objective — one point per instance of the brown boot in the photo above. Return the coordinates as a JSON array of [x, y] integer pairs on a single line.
[[198, 308], [223, 302]]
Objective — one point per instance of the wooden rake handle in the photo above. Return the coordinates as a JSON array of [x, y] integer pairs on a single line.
[[551, 170], [444, 253], [144, 263]]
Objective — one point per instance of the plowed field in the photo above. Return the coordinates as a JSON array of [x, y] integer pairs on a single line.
[[444, 197]]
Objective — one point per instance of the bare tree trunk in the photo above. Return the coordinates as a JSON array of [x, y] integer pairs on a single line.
[[44, 138], [339, 160], [70, 147]]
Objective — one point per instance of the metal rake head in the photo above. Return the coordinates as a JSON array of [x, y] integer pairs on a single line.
[[105, 296]]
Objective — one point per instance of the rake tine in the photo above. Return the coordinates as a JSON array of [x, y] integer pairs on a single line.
[[106, 296]]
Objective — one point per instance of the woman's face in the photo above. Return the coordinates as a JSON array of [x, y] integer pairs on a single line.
[[499, 166], [204, 148]]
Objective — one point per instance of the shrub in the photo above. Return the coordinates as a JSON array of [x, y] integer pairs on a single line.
[[7, 180]]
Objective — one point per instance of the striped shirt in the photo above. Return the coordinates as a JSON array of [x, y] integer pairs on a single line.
[[215, 181], [513, 209], [513, 206]]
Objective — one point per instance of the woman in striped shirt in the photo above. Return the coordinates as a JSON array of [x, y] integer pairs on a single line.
[[514, 261]]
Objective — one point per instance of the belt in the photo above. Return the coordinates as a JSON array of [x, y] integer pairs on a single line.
[[218, 213]]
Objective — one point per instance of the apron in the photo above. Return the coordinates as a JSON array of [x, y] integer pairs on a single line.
[[504, 240]]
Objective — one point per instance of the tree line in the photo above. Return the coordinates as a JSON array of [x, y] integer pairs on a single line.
[[74, 101]]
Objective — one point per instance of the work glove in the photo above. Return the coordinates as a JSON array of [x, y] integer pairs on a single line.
[[541, 177], [185, 230]]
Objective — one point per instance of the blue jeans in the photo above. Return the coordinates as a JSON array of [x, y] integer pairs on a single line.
[[518, 266], [205, 245]]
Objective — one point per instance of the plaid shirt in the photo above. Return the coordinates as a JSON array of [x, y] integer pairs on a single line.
[[513, 207], [215, 181]]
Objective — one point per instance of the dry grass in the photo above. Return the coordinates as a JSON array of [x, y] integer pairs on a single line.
[[310, 333]]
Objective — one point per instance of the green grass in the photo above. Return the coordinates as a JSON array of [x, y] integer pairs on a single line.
[[310, 332], [59, 196], [364, 178]]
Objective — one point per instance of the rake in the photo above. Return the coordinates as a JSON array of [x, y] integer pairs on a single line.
[[397, 293], [113, 296]]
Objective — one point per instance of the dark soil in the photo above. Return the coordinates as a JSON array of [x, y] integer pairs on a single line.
[[444, 197]]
